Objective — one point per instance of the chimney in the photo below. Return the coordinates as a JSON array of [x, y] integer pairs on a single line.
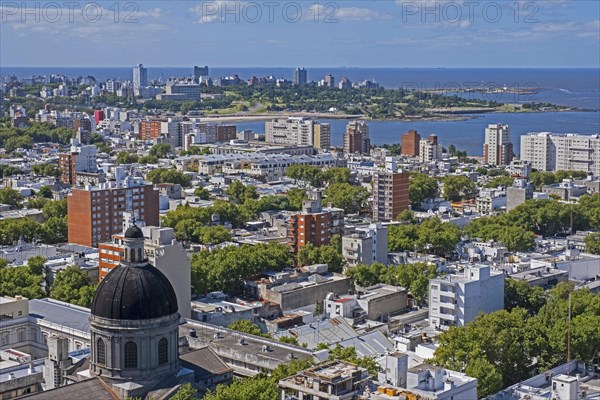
[[448, 385]]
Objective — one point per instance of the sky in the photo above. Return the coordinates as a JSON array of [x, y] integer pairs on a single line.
[[390, 33]]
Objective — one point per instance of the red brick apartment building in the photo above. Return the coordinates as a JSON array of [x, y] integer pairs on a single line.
[[95, 214]]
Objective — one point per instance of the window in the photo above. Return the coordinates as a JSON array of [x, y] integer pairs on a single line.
[[140, 258], [163, 351], [130, 355], [101, 351]]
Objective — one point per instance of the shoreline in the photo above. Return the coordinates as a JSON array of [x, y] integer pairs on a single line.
[[463, 115]]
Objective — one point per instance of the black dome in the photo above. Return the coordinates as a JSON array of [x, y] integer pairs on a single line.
[[134, 293], [133, 232]]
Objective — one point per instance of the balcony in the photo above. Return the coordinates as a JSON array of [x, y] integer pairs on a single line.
[[448, 317], [450, 306]]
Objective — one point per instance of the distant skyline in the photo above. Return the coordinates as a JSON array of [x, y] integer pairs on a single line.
[[387, 34]]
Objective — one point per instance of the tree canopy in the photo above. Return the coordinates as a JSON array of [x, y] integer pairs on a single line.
[[414, 277], [11, 197], [347, 197], [19, 281], [592, 243], [459, 187], [259, 387], [161, 150], [519, 338], [163, 175], [226, 268], [421, 188], [432, 236], [245, 326], [239, 193], [328, 254], [73, 285], [126, 157]]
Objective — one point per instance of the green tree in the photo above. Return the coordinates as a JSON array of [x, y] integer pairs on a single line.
[[245, 326], [437, 237], [489, 379], [45, 192], [366, 275], [162, 175], [330, 255], [414, 276], [186, 392], [459, 187], [161, 150], [18, 142], [149, 159], [19, 281], [422, 188], [259, 387], [238, 193], [336, 175], [226, 268], [125, 157], [518, 293], [37, 202], [11, 197], [295, 198], [500, 181], [72, 285], [212, 235], [12, 230], [202, 193], [589, 206], [406, 216], [55, 209], [289, 340], [319, 308], [508, 352], [9, 170], [541, 178], [36, 265], [592, 243], [349, 354], [308, 174], [55, 230], [45, 169], [347, 197]]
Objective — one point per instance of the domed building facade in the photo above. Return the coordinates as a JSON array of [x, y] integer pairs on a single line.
[[134, 320]]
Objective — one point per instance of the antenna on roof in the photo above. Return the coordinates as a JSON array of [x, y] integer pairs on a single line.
[[569, 332]]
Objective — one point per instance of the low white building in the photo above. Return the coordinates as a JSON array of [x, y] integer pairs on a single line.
[[455, 300], [366, 246]]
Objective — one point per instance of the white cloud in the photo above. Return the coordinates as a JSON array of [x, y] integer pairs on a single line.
[[216, 11], [346, 13]]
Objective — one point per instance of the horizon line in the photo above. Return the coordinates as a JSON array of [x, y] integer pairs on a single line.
[[293, 67]]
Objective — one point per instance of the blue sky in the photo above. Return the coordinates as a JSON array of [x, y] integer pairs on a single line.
[[392, 33]]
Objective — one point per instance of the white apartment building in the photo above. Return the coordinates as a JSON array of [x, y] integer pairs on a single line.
[[140, 78], [554, 152], [170, 257], [430, 150], [296, 131], [271, 167], [366, 246], [172, 130], [455, 300], [497, 149], [86, 159]]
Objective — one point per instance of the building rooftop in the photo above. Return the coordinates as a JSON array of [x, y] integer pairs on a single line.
[[540, 387], [93, 388], [239, 345], [59, 313], [330, 331]]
